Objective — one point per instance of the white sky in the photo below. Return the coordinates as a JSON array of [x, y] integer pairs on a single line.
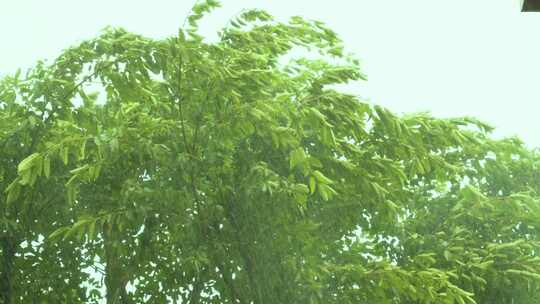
[[453, 58]]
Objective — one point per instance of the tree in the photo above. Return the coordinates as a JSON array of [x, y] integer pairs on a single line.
[[186, 171]]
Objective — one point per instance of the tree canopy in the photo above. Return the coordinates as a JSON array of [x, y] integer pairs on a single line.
[[136, 170]]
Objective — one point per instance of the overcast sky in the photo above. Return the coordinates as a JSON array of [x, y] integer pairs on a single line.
[[452, 58]]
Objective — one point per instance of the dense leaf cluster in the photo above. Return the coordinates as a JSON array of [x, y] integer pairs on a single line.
[[135, 170]]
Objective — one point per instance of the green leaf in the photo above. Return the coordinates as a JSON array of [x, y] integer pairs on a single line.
[[297, 157], [71, 193], [312, 184], [13, 191], [47, 166], [325, 191], [80, 169], [321, 178], [65, 155], [28, 162], [58, 233]]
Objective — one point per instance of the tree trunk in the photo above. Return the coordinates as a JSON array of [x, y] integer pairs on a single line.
[[8, 258], [115, 275], [243, 248]]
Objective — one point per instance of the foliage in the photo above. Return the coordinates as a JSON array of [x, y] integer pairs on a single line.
[[196, 172]]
